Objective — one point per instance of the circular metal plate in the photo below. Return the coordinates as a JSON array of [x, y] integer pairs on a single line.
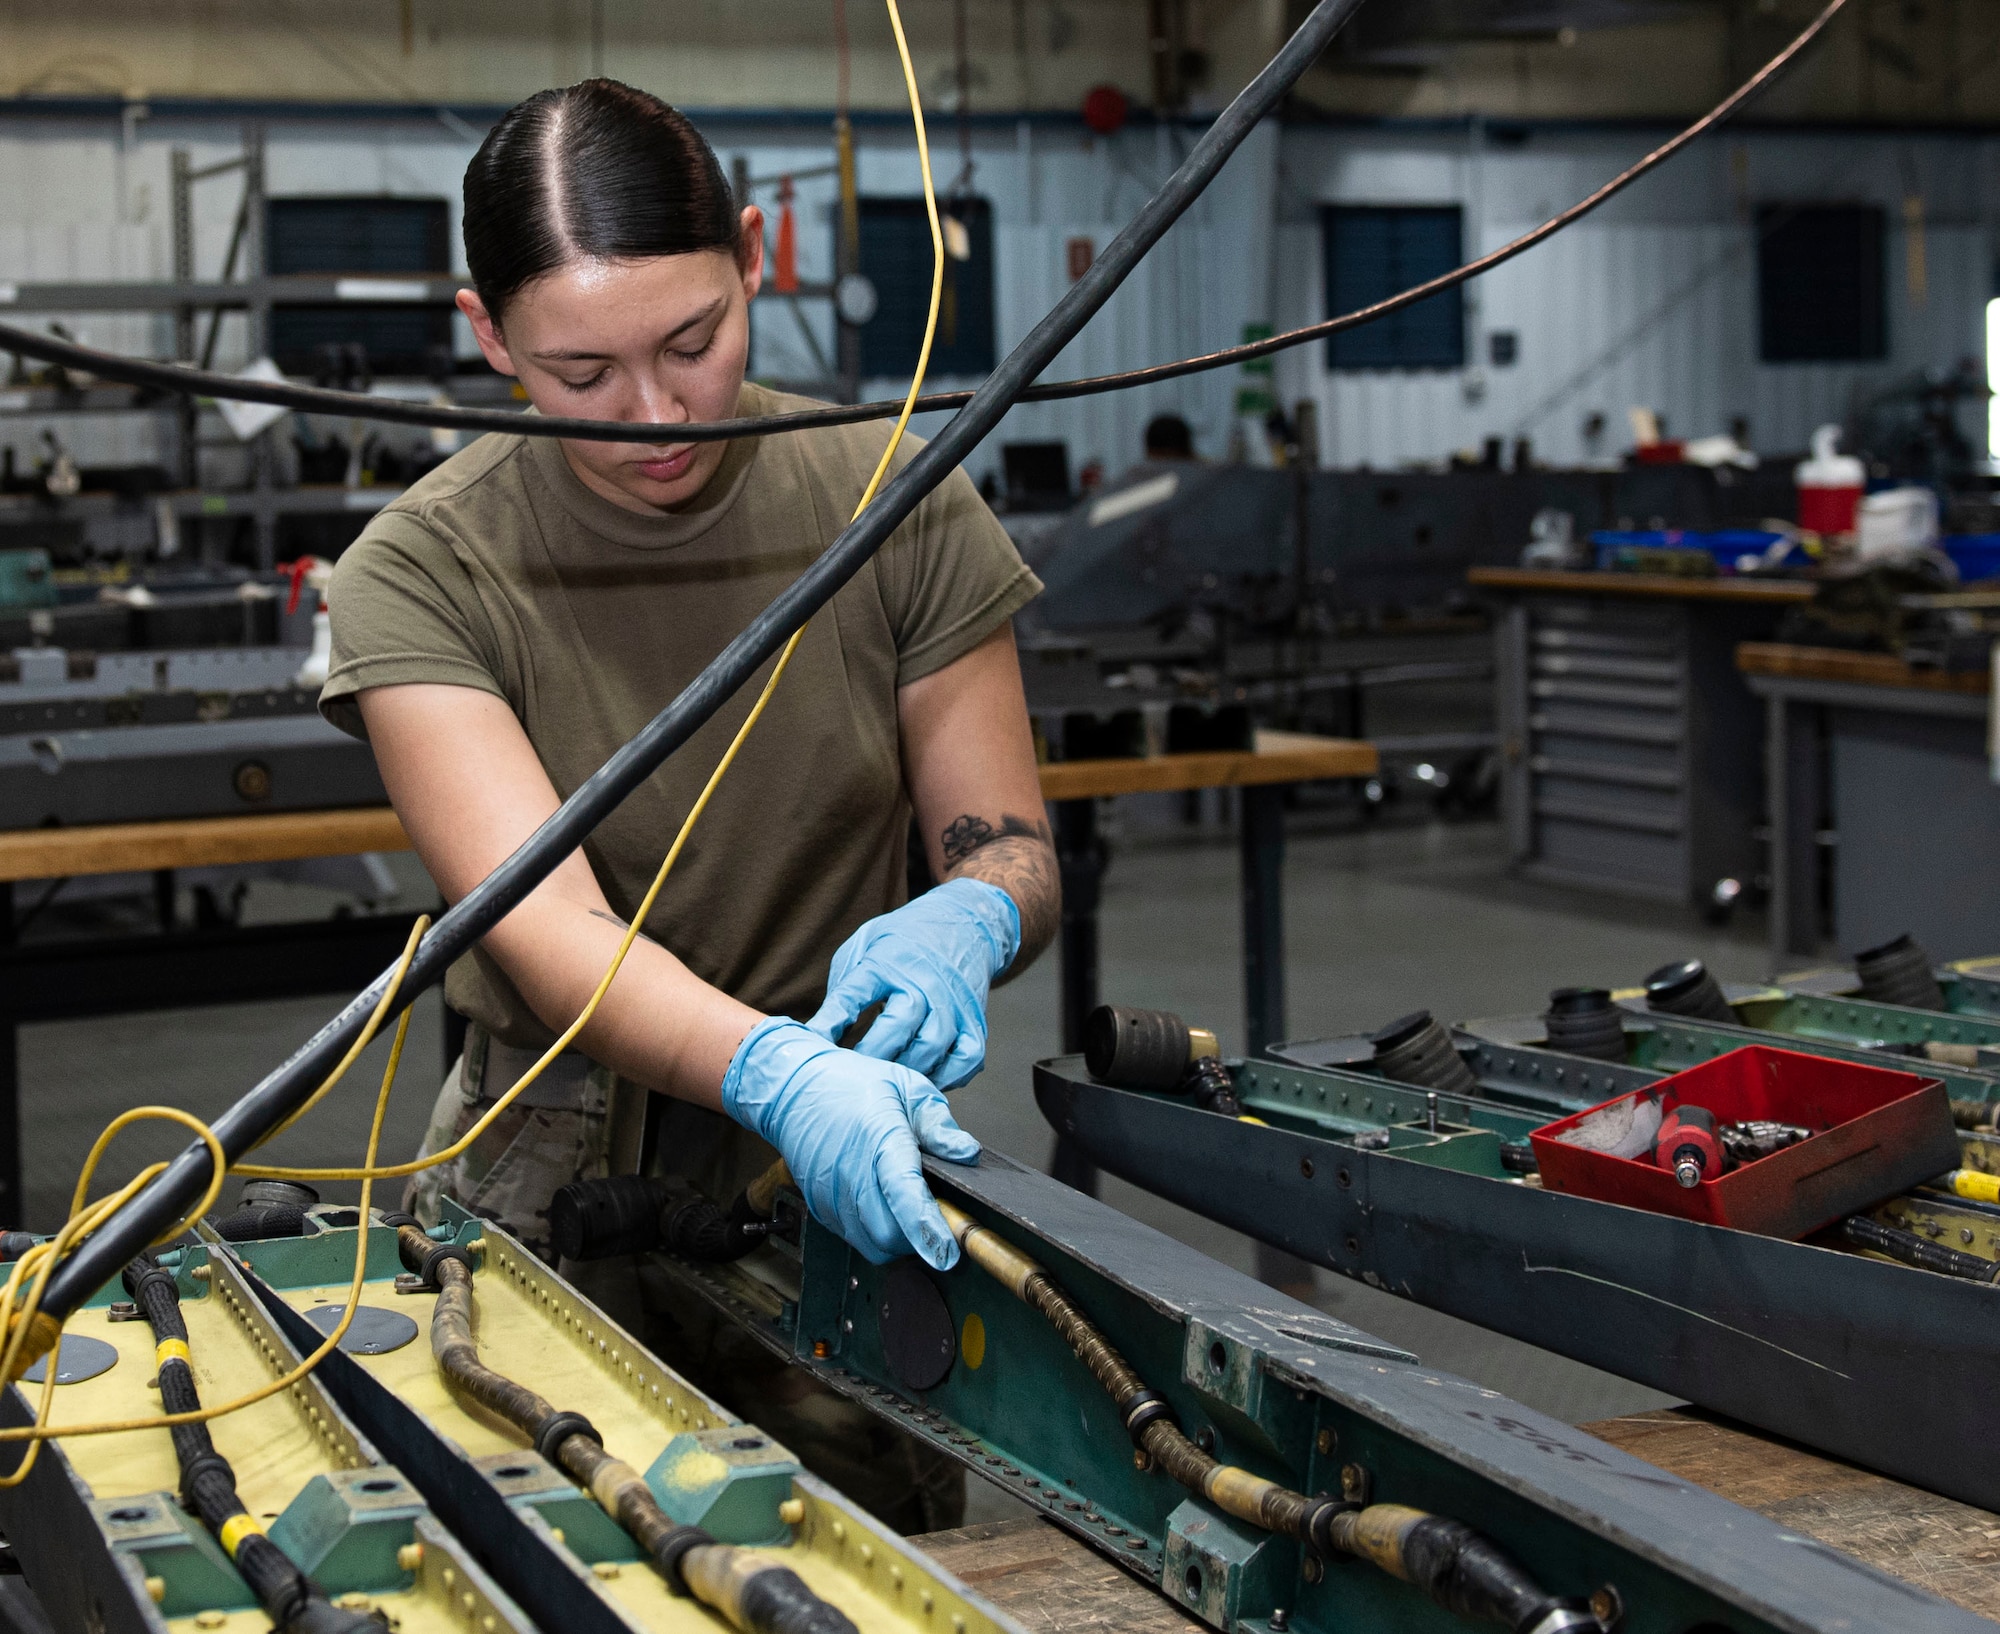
[[916, 1326], [373, 1332], [80, 1358]]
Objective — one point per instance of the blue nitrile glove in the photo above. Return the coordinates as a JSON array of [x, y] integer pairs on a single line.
[[928, 964], [849, 1128]]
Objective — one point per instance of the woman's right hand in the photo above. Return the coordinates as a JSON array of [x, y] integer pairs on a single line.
[[852, 1129]]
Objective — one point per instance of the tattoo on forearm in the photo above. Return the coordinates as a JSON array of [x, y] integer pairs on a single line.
[[965, 835], [611, 918], [1020, 857]]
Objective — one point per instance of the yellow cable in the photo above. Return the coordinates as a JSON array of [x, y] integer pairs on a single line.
[[19, 1325], [41, 1430], [218, 1161], [464, 1143]]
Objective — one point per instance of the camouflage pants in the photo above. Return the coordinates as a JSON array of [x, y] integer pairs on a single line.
[[583, 1125]]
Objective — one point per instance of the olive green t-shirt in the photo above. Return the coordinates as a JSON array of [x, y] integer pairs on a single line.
[[500, 570]]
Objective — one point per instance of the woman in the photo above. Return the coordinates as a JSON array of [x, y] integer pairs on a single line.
[[509, 621]]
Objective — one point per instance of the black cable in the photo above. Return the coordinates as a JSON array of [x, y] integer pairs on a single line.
[[354, 405], [285, 1089], [294, 1603], [1911, 1249]]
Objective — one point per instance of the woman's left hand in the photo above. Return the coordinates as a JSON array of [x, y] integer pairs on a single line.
[[928, 964]]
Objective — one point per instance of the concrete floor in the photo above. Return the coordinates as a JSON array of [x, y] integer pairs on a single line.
[[1379, 922]]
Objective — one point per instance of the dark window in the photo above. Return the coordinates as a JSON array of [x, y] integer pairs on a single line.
[[358, 235], [896, 258], [1373, 252], [373, 236], [1821, 293]]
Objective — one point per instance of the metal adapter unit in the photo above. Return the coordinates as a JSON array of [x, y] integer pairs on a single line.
[[100, 1529], [1270, 1387]]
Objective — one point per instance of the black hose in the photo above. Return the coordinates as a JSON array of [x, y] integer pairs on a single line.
[[358, 406], [294, 1603], [1209, 1085], [249, 1225], [1921, 1252], [286, 1088]]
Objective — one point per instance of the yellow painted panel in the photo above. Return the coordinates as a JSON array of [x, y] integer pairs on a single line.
[[272, 1446], [531, 1327]]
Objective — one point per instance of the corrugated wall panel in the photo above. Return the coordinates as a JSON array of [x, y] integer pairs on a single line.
[[1652, 301]]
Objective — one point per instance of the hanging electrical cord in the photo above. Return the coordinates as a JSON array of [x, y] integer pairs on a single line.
[[465, 1142], [285, 1088], [757, 1594], [315, 400], [293, 1601], [1446, 1559]]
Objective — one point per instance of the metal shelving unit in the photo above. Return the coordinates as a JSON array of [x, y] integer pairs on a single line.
[[255, 295], [187, 298]]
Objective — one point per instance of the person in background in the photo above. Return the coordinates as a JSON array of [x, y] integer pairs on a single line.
[[1168, 438]]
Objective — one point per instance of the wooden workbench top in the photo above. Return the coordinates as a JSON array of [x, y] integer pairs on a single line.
[[1875, 669], [286, 836], [1050, 1582], [1948, 1549], [197, 842], [1656, 586], [1280, 757]]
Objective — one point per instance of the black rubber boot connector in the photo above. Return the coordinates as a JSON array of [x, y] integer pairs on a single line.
[[1584, 1021], [1414, 1049], [1129, 1048], [249, 1225], [1685, 988], [277, 1194], [596, 1219], [1899, 972]]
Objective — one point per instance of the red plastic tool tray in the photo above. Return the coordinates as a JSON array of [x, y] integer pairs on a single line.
[[1880, 1133]]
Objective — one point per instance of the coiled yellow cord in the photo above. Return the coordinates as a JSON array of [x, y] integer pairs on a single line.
[[40, 1260], [464, 1143]]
